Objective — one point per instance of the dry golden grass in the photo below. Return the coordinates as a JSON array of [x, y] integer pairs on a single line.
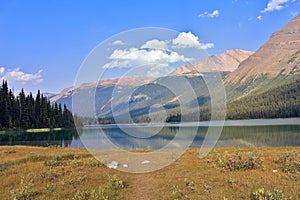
[[73, 174]]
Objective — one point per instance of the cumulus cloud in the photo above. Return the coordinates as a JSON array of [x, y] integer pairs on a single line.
[[213, 14], [155, 44], [159, 70], [134, 57], [189, 40], [155, 57], [259, 17], [18, 76], [118, 42], [275, 5]]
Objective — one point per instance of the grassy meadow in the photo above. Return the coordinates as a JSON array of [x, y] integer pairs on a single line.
[[226, 173]]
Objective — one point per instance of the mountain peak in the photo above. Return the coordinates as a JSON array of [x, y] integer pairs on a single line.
[[227, 61], [279, 55]]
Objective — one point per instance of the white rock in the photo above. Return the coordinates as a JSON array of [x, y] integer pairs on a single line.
[[113, 165], [125, 165], [275, 171], [145, 162]]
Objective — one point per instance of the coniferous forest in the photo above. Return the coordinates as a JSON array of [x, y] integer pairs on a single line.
[[280, 102], [27, 111]]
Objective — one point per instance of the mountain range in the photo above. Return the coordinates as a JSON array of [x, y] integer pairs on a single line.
[[225, 62], [262, 84]]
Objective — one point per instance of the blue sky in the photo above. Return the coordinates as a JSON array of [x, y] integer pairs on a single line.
[[43, 43]]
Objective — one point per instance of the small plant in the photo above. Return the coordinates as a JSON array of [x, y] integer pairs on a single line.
[[34, 157], [241, 162], [177, 193], [53, 161], [114, 183], [207, 188], [189, 184], [48, 175], [9, 151], [290, 164], [231, 181], [81, 195], [93, 163], [24, 191], [1, 166], [261, 194], [102, 193], [50, 188]]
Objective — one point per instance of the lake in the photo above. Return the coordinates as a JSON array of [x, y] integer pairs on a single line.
[[246, 133]]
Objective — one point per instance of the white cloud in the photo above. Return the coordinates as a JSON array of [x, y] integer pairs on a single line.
[[17, 76], [189, 40], [2, 70], [213, 14], [118, 42], [259, 17], [275, 5], [134, 57], [155, 57], [159, 70], [294, 14], [155, 44]]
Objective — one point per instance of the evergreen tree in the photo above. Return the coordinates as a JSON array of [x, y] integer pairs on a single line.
[[22, 112]]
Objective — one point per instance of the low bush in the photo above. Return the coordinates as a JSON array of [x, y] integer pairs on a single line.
[[53, 161], [289, 162], [239, 161], [24, 191], [261, 194], [110, 191]]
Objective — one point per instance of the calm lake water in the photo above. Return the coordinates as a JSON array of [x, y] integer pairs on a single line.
[[235, 133]]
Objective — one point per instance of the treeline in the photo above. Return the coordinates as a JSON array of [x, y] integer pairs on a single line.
[[280, 102], [25, 111]]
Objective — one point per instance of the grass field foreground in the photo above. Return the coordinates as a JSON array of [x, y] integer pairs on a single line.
[[226, 173]]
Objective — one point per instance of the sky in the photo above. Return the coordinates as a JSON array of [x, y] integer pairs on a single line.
[[44, 43]]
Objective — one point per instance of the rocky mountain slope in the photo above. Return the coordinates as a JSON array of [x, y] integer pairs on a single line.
[[279, 55], [225, 62]]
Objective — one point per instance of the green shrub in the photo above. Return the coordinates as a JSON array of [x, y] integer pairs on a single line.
[[24, 191], [241, 162], [110, 191], [177, 193], [261, 194], [189, 184], [114, 183], [53, 161], [289, 162]]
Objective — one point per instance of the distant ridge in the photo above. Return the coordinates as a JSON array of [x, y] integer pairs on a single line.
[[225, 62], [279, 55]]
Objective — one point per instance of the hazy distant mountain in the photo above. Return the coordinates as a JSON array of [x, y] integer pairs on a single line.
[[48, 95], [145, 94], [279, 55], [225, 62], [106, 86], [261, 85]]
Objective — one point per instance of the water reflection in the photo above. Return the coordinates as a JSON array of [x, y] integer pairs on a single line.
[[259, 136], [62, 138]]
